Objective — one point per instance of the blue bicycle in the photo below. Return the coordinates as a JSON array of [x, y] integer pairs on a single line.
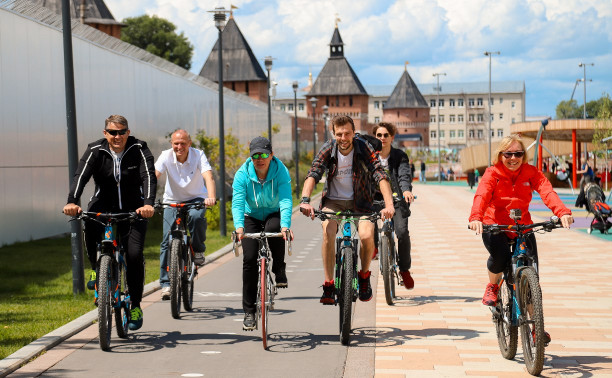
[[519, 303]]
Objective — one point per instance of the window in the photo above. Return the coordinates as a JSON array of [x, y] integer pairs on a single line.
[[471, 133], [451, 134], [501, 100], [384, 103], [479, 101], [376, 104], [513, 105], [492, 101], [301, 107], [480, 117], [290, 107], [500, 133], [451, 118], [460, 118], [492, 133], [492, 117], [441, 134], [441, 118], [376, 119], [432, 134], [501, 115], [460, 133], [432, 118], [451, 102], [471, 118], [460, 103], [512, 120], [432, 103], [471, 102], [479, 133], [441, 103], [283, 107]]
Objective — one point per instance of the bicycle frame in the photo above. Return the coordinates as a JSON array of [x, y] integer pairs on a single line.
[[346, 240]]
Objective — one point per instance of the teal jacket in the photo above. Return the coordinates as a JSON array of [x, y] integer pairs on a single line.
[[257, 200]]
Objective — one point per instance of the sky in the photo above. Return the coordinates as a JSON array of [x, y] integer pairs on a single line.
[[541, 42]]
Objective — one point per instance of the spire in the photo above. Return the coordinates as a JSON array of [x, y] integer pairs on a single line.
[[336, 46]]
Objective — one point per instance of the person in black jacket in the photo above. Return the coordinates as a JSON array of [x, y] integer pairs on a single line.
[[124, 176], [397, 166]]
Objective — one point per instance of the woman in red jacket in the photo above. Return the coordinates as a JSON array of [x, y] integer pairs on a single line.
[[509, 185]]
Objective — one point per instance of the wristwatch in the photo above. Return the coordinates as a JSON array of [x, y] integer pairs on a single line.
[[305, 200]]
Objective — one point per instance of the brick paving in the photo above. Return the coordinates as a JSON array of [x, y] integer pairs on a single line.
[[441, 329]]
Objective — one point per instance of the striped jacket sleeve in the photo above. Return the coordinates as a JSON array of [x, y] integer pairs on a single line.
[[83, 174]]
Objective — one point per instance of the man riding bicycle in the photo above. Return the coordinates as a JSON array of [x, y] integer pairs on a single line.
[[189, 178], [353, 170], [122, 169]]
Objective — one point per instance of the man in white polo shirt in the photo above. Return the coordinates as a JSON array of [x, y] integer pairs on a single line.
[[189, 178]]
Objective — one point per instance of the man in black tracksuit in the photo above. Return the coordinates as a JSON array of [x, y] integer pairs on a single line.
[[124, 176]]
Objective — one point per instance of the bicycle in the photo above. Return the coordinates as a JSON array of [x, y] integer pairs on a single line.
[[111, 291], [346, 281], [181, 268], [519, 303], [266, 287]]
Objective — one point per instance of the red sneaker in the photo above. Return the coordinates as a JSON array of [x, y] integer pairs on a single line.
[[365, 290], [490, 295], [407, 278], [328, 297]]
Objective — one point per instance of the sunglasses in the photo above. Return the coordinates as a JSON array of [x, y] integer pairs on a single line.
[[518, 154], [381, 135], [260, 156], [116, 132]]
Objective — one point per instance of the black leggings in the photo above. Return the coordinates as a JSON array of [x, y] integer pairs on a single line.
[[498, 246]]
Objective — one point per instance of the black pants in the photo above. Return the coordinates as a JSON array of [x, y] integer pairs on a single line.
[[132, 237], [400, 224], [250, 248], [498, 246]]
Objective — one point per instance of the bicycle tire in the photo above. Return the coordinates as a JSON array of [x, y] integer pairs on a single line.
[[105, 305], [122, 312], [174, 276], [346, 294], [530, 295], [187, 286], [507, 334], [386, 269], [263, 296]]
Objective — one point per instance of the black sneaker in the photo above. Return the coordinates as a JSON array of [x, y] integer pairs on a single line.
[[249, 322], [198, 258], [328, 297], [281, 279], [365, 290]]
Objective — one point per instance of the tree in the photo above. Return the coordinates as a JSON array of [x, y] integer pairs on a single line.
[[235, 153], [568, 109], [603, 124], [158, 36]]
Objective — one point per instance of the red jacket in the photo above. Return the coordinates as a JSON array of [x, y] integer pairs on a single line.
[[501, 190]]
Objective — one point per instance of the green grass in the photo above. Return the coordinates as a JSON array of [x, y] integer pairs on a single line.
[[36, 285]]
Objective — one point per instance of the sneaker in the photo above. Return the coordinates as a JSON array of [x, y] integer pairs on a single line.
[[547, 338], [490, 295], [135, 319], [281, 279], [249, 322], [375, 254], [198, 258], [407, 278], [365, 290], [328, 293], [91, 284], [165, 293]]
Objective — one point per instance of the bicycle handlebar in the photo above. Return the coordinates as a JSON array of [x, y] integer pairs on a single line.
[[346, 214], [524, 229], [259, 236], [107, 218], [180, 205]]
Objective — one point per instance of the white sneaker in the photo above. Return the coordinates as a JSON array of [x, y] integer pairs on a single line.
[[165, 293]]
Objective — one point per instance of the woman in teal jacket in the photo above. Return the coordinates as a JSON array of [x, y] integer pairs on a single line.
[[261, 201]]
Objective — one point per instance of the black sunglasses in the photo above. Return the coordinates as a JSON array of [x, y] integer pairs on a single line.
[[263, 156], [518, 154], [116, 132], [381, 135]]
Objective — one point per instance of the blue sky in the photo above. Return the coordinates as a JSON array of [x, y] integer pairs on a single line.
[[541, 41]]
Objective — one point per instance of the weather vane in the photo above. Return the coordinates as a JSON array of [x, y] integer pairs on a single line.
[[406, 63], [337, 19]]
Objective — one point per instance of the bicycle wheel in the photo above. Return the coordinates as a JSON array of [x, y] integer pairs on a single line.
[[386, 268], [187, 285], [122, 311], [174, 276], [263, 298], [346, 294], [105, 304], [507, 334], [532, 325]]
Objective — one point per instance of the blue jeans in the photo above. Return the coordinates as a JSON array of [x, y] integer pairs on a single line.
[[196, 223]]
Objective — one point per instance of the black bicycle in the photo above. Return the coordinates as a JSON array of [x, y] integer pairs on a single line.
[[519, 303], [345, 272], [181, 267], [111, 292]]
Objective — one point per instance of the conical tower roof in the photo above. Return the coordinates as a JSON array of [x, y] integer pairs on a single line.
[[96, 11], [238, 58], [406, 95]]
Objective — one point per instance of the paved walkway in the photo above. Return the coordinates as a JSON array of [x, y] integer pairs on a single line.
[[441, 328]]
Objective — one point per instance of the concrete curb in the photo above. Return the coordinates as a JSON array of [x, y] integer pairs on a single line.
[[55, 337]]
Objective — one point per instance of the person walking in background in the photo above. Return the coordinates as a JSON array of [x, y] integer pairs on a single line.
[[422, 176]]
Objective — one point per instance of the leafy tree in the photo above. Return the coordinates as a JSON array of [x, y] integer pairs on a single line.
[[568, 109], [235, 153], [158, 36], [603, 124]]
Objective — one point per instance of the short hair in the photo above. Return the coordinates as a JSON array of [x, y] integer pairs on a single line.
[[341, 120], [391, 129], [116, 119], [505, 143], [180, 131]]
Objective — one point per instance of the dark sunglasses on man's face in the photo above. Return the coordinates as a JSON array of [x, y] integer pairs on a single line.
[[116, 132], [381, 135], [518, 154], [262, 156]]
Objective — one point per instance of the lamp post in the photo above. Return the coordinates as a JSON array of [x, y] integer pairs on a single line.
[[437, 75], [583, 65], [326, 118], [268, 64], [219, 17], [313, 102], [297, 142], [489, 54]]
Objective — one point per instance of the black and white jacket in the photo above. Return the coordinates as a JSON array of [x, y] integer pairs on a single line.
[[133, 186]]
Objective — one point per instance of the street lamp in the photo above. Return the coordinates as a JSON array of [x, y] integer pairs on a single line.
[[268, 64], [313, 102], [583, 65], [219, 17], [437, 75], [297, 143], [489, 54], [326, 118]]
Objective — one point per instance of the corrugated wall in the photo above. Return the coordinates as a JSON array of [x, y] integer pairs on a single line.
[[111, 77]]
